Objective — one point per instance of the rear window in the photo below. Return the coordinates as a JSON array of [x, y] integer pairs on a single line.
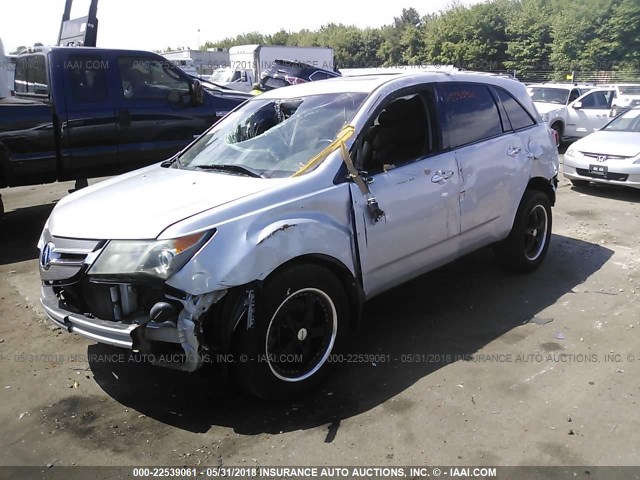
[[629, 90], [518, 116], [315, 76], [31, 75], [470, 114], [271, 83]]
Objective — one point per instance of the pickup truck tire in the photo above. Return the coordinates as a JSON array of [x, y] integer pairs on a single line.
[[301, 318], [526, 246]]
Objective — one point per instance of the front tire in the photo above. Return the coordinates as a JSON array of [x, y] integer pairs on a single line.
[[302, 317], [526, 246]]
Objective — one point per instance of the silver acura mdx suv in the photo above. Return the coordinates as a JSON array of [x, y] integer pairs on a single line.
[[263, 238]]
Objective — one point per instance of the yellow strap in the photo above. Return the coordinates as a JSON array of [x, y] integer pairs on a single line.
[[339, 142]]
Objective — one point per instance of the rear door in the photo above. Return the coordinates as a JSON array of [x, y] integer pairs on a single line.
[[415, 184], [589, 113], [89, 144], [489, 156]]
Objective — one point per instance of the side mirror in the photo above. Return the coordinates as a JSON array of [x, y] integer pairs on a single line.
[[197, 96], [577, 105]]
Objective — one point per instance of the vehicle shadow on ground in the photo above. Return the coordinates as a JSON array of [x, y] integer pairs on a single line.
[[19, 233], [612, 192], [453, 311]]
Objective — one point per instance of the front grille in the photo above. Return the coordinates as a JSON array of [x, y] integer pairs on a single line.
[[64, 257], [617, 177], [604, 156], [114, 302]]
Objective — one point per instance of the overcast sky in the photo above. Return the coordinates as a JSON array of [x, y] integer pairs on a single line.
[[150, 25]]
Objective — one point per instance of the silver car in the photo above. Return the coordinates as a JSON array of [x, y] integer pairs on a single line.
[[610, 155], [258, 244]]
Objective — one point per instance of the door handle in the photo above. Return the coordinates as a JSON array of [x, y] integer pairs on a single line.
[[513, 151], [441, 176]]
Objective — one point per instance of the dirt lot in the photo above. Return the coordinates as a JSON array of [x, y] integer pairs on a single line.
[[508, 370]]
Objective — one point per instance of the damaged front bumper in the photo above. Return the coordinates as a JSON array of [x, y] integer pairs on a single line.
[[139, 334]]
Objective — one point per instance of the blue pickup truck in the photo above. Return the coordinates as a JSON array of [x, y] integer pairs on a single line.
[[87, 112]]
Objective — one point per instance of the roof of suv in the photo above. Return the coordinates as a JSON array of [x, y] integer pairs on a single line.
[[568, 86], [369, 83]]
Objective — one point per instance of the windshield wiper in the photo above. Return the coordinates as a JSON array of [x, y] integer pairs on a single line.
[[241, 169]]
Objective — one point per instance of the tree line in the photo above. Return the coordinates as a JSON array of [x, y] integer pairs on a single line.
[[521, 35]]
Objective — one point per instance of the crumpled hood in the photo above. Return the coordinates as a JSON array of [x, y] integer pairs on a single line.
[[141, 204], [626, 144], [547, 107]]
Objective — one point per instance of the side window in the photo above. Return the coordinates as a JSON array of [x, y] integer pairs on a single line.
[[318, 76], [470, 114], [517, 114], [150, 79], [401, 133], [88, 78], [597, 100], [31, 75], [573, 95]]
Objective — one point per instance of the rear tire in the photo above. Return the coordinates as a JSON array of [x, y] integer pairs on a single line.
[[301, 318], [526, 246]]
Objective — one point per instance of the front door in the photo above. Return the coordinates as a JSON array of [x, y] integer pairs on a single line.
[[155, 116], [591, 114], [415, 185], [89, 144]]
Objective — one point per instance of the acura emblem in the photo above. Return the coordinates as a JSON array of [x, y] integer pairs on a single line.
[[601, 158], [45, 256]]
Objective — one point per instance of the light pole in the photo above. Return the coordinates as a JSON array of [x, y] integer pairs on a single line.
[[198, 46]]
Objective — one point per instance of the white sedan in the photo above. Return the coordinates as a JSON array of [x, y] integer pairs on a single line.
[[610, 155]]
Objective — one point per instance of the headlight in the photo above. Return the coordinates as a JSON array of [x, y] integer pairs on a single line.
[[545, 117], [571, 152], [158, 258], [41, 239]]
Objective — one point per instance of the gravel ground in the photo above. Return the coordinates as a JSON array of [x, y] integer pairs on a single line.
[[481, 367]]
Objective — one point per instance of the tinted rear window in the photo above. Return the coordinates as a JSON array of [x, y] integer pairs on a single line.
[[31, 75], [470, 114], [518, 116]]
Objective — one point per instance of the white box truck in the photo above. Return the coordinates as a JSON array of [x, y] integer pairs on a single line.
[[246, 62], [5, 77]]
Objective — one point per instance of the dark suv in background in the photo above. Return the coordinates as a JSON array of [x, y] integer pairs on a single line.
[[287, 72]]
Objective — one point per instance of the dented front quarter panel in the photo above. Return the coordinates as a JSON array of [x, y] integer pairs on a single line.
[[308, 215]]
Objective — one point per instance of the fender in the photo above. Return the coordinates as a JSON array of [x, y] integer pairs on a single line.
[[256, 245]]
